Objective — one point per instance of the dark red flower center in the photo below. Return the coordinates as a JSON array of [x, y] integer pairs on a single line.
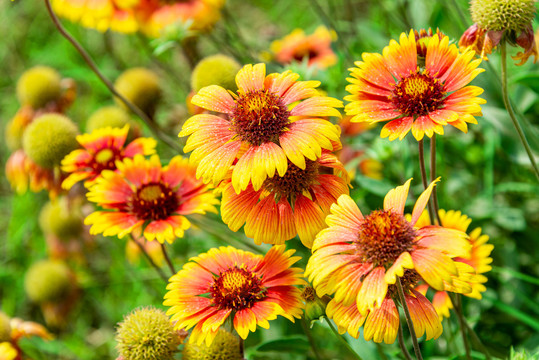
[[295, 180], [409, 281], [105, 159], [383, 236], [305, 52], [418, 94], [237, 289], [259, 117], [154, 201]]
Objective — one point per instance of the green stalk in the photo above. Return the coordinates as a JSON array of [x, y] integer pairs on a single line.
[[510, 111], [408, 319], [342, 340]]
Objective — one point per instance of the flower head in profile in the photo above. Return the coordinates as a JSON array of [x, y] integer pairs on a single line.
[[415, 93], [100, 151], [501, 20], [102, 15], [294, 204], [23, 174], [316, 48], [230, 283], [144, 197], [259, 127], [479, 258], [360, 258], [156, 15]]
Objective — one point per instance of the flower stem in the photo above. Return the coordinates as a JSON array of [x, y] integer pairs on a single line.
[[434, 198], [510, 111], [457, 307], [150, 260], [342, 340], [408, 319], [402, 345], [309, 335], [156, 130], [424, 177], [167, 259]]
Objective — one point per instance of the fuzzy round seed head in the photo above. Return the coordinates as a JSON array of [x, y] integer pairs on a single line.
[[47, 281], [147, 334], [497, 15], [225, 346], [113, 116], [39, 86], [5, 328], [215, 70], [141, 87], [49, 138], [58, 219]]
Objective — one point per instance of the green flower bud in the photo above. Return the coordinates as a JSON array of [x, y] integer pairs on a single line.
[[215, 70], [47, 281], [497, 15], [5, 328], [147, 334], [141, 87], [315, 307], [39, 86], [58, 219], [225, 346], [49, 138]]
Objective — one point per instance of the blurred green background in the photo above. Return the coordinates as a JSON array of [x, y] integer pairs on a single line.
[[485, 173]]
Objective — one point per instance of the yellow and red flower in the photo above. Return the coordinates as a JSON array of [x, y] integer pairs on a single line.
[[359, 258], [143, 197], [297, 46], [102, 15], [397, 87], [479, 258], [156, 15], [230, 283], [294, 204], [23, 174], [259, 127], [100, 151]]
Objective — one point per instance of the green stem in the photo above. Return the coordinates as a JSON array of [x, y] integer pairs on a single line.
[[408, 319], [402, 345], [458, 309], [156, 130], [150, 260], [309, 335], [433, 177], [342, 340], [167, 259], [424, 178], [510, 111]]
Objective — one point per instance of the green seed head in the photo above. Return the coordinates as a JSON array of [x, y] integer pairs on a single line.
[[59, 219], [5, 328], [497, 15], [147, 334], [39, 86], [112, 116], [225, 346], [49, 138], [215, 70], [141, 87], [47, 281]]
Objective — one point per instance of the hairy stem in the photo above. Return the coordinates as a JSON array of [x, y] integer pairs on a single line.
[[342, 340], [156, 130], [312, 342], [408, 319], [434, 198], [510, 111], [402, 345], [167, 259], [424, 178], [150, 260]]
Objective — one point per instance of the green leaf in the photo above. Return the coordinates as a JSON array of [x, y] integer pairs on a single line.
[[530, 80], [510, 218], [293, 344]]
